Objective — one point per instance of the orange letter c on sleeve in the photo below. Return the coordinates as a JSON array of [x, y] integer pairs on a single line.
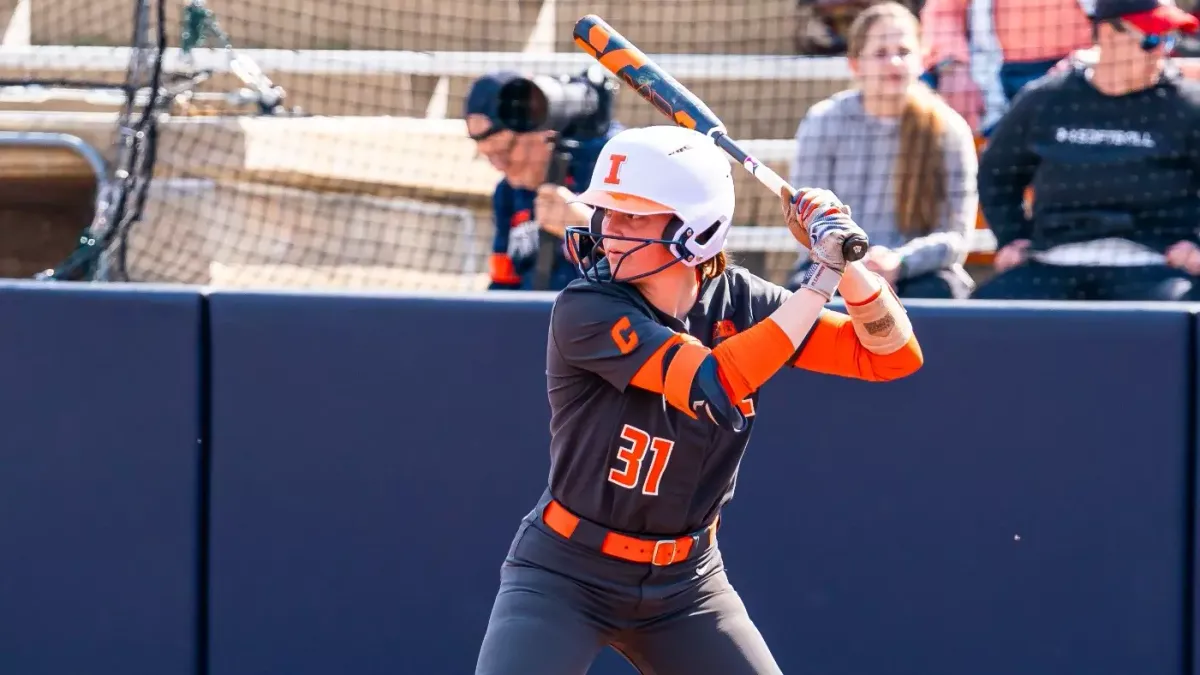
[[623, 335]]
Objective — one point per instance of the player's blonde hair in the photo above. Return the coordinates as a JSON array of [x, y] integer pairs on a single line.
[[921, 162]]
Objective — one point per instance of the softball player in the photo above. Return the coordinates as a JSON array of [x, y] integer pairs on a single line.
[[654, 360]]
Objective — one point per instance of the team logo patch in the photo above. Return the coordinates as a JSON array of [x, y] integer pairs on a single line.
[[723, 329], [614, 169]]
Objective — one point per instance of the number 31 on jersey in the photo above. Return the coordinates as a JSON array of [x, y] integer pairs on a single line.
[[631, 458]]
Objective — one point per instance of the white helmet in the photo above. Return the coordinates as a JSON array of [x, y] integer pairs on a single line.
[[666, 169]]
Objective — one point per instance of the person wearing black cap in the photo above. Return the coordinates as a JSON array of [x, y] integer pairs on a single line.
[[529, 213], [1111, 150]]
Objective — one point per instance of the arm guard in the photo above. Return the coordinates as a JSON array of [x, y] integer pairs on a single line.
[[693, 383], [881, 323]]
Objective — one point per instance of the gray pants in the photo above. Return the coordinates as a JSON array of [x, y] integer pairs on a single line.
[[560, 603]]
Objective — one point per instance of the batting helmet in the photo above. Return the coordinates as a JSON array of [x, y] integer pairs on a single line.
[[659, 170]]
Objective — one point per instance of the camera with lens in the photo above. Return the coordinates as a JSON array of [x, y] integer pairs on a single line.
[[579, 107]]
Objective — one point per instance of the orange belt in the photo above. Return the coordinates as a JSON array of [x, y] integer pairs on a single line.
[[659, 552]]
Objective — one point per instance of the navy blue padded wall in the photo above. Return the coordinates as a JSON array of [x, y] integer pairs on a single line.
[[1019, 506], [372, 459], [99, 457]]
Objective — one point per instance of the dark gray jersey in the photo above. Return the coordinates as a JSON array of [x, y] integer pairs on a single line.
[[620, 456]]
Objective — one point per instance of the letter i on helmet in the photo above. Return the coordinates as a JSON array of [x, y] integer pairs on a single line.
[[658, 170]]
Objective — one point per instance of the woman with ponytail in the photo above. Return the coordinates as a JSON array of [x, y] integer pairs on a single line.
[[900, 156]]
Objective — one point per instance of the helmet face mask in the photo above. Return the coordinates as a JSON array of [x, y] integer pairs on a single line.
[[587, 248], [655, 171]]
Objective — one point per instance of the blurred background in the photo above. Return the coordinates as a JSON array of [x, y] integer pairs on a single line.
[[301, 143]]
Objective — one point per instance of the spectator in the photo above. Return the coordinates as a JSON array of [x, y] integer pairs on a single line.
[[982, 52], [1111, 149], [902, 159], [529, 213]]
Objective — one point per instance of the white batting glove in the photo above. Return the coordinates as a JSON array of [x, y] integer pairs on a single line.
[[827, 223], [828, 233], [811, 202]]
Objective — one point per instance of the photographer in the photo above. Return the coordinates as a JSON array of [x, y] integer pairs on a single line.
[[1111, 150], [545, 135]]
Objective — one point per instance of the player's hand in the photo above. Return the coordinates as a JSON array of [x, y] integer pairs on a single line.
[[801, 207], [820, 217]]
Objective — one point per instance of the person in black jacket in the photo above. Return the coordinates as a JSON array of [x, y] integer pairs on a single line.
[[1111, 150]]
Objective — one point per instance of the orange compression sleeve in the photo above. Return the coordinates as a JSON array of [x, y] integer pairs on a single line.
[[833, 348], [674, 380], [747, 360], [650, 375], [744, 363]]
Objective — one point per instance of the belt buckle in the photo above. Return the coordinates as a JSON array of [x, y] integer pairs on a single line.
[[654, 557]]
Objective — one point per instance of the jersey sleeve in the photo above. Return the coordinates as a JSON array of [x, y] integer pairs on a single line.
[[765, 296], [611, 336]]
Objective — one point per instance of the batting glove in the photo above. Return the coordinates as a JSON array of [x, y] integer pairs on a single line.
[[826, 221], [811, 203], [828, 233]]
